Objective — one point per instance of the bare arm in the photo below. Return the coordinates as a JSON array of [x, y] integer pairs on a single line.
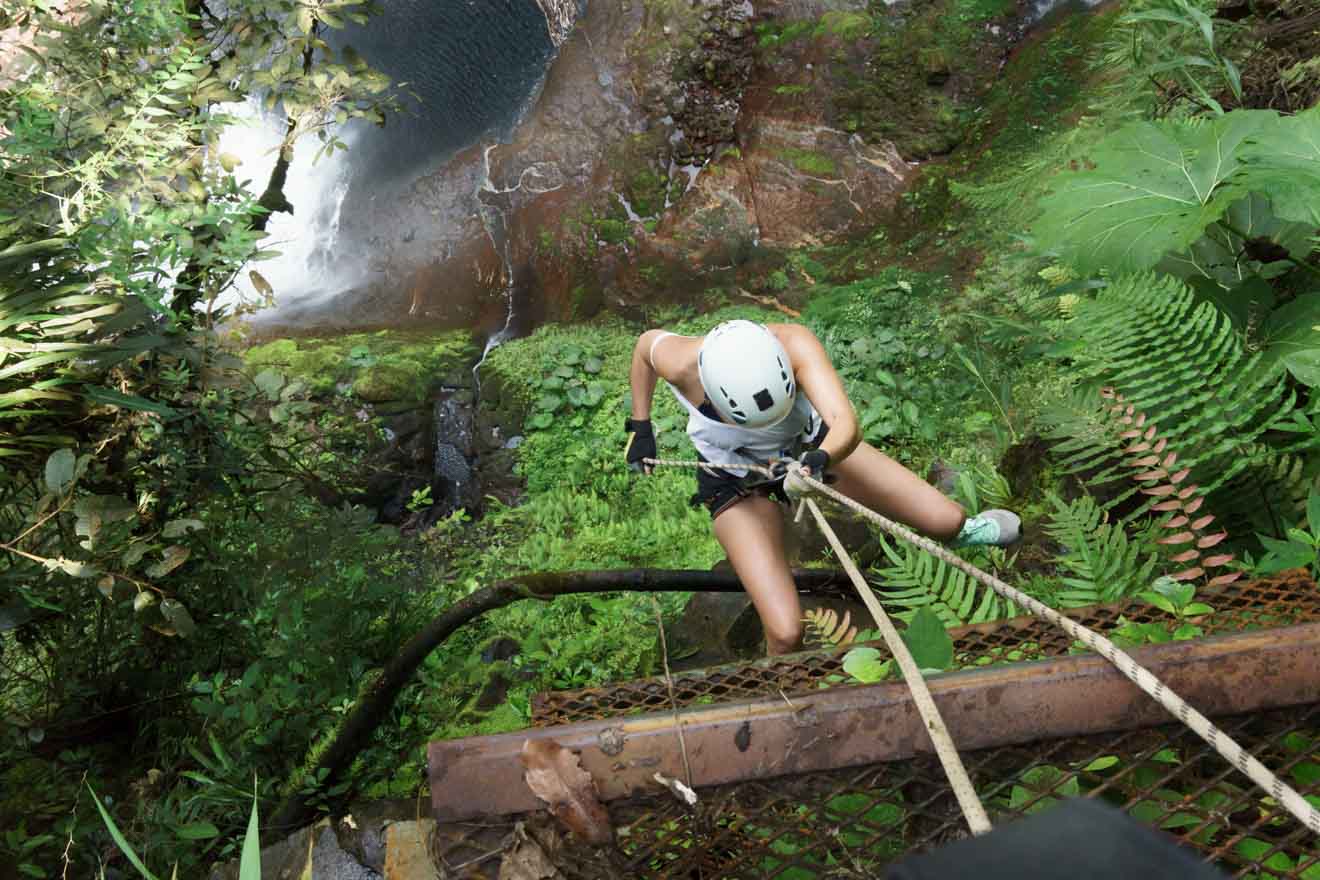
[[817, 379], [643, 376]]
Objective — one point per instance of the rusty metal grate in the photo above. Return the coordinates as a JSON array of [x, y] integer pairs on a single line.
[[1290, 598], [849, 823]]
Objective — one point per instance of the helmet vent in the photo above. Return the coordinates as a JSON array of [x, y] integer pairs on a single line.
[[764, 400]]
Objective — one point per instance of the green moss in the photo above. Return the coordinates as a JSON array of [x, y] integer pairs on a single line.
[[849, 25], [899, 95], [770, 35], [811, 163], [975, 11], [382, 382], [792, 89], [613, 231], [646, 192], [387, 362]]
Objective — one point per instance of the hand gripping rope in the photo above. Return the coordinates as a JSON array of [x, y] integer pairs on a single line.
[[800, 483]]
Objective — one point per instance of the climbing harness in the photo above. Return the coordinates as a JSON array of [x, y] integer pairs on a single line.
[[803, 484]]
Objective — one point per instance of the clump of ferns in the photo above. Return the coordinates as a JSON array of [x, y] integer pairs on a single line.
[[1198, 414]]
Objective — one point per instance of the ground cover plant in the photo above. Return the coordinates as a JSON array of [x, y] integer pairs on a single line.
[[191, 598]]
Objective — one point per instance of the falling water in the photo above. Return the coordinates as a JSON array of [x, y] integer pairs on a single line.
[[474, 67], [1042, 8], [452, 418], [305, 240]]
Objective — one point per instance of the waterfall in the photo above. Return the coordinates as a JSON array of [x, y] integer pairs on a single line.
[[471, 69], [452, 420], [306, 241]]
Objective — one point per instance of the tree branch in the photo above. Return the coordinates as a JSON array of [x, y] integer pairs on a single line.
[[374, 705]]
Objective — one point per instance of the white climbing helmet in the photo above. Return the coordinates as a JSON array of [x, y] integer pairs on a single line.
[[746, 374]]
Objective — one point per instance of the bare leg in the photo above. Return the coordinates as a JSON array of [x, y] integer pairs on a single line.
[[879, 482], [752, 534]]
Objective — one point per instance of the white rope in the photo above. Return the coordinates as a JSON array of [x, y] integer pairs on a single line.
[[962, 786], [1282, 793]]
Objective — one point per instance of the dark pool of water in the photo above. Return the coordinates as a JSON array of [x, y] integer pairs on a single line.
[[471, 67]]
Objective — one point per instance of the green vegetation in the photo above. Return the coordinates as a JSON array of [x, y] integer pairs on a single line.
[[1076, 315], [810, 163], [368, 360], [848, 25]]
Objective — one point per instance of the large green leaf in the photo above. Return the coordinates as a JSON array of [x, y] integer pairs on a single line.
[[1291, 336], [929, 641], [60, 468], [1283, 160], [97, 394], [120, 841], [1223, 255], [1148, 189], [1245, 304]]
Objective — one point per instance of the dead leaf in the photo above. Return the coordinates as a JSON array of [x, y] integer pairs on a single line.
[[171, 558], [525, 859], [261, 285], [555, 776]]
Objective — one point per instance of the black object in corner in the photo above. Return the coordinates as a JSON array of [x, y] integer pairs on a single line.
[[1080, 839]]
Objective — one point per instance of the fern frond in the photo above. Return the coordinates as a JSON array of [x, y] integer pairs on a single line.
[[1182, 368], [824, 627], [1103, 565], [915, 579]]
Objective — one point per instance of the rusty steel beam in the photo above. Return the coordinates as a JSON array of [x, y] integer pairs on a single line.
[[849, 726]]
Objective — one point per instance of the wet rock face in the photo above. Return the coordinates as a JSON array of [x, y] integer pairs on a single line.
[[703, 77], [792, 183], [802, 9], [432, 464], [674, 141]]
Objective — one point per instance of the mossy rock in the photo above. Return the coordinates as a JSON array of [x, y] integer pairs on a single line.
[[381, 382], [388, 365]]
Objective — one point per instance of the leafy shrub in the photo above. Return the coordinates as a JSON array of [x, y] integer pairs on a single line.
[[570, 386], [1153, 189]]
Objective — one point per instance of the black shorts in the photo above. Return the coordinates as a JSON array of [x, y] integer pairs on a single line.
[[718, 490]]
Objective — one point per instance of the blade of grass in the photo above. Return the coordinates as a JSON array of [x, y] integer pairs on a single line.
[[120, 842]]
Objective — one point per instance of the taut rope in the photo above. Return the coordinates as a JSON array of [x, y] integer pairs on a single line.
[[1282, 793]]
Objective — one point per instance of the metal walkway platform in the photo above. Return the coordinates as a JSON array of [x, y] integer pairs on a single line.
[[816, 778]]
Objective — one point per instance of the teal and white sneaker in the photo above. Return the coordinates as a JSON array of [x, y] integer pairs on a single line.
[[995, 527]]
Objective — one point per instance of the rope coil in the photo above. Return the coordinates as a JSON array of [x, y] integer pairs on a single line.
[[1282, 793]]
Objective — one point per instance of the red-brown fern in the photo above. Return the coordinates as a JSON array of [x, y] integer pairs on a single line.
[[1152, 466]]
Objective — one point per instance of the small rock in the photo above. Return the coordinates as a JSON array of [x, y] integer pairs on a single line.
[[408, 850], [501, 648], [493, 693]]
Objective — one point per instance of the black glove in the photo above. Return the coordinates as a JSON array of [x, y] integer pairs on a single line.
[[641, 443], [815, 461]]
